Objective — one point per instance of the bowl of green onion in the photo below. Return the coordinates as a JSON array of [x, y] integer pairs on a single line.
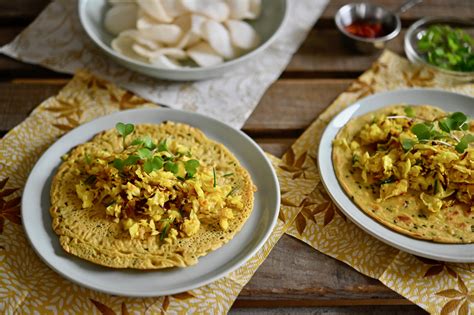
[[446, 44]]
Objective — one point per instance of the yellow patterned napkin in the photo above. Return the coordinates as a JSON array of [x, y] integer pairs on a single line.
[[27, 285], [437, 287]]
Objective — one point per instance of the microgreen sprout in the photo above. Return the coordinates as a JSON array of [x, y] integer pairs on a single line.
[[124, 130]]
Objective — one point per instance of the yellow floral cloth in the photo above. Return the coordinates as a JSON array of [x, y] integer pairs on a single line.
[[438, 287], [27, 285]]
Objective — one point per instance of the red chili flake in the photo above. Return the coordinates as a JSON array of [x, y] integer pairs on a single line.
[[365, 29]]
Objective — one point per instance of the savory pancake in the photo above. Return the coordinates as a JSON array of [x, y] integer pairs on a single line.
[[412, 169], [149, 197]]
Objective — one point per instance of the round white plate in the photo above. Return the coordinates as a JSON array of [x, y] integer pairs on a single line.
[[37, 220], [448, 101]]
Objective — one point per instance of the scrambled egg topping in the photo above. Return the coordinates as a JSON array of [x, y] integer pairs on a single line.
[[390, 156], [166, 202]]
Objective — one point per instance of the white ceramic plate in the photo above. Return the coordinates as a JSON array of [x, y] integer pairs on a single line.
[[450, 102], [37, 221]]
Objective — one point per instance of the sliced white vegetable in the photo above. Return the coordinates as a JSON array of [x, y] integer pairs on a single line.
[[164, 33], [255, 9], [215, 9], [174, 53], [162, 61], [123, 45], [187, 40], [191, 22], [242, 34], [143, 51], [155, 9], [120, 17], [204, 55], [139, 38], [239, 9], [173, 8], [219, 39]]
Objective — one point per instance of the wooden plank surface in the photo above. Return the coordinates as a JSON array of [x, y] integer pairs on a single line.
[[305, 282]]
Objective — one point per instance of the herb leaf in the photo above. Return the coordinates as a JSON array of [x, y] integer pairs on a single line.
[[87, 158], [422, 131], [407, 144], [144, 153], [409, 111], [131, 160], [191, 167], [124, 130], [228, 174], [153, 164], [171, 167], [162, 146], [118, 164], [464, 143], [214, 175]]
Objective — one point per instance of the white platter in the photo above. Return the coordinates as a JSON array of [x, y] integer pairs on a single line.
[[448, 101], [257, 229]]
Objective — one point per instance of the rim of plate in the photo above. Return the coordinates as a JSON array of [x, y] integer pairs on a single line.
[[115, 115], [244, 57], [400, 241]]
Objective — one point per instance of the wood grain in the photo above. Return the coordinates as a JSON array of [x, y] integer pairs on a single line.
[[298, 101]]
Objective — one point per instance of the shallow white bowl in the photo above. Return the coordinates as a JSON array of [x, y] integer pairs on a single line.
[[268, 25]]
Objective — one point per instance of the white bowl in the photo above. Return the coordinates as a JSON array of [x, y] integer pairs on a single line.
[[268, 25]]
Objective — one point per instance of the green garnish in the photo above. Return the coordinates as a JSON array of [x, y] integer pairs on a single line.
[[90, 180], [448, 48], [233, 190], [118, 164], [389, 180], [228, 174], [214, 175], [87, 158], [131, 160], [191, 168], [407, 144], [422, 131], [144, 153], [409, 111], [124, 130], [165, 231], [355, 159], [153, 164], [171, 167], [146, 141], [162, 146], [464, 143], [455, 121]]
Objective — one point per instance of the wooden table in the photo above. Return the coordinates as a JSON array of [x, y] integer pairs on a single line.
[[295, 278]]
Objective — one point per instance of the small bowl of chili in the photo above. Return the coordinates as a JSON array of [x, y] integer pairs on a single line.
[[367, 27], [443, 43]]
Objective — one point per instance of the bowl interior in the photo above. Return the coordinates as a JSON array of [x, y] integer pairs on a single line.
[[416, 32], [92, 15], [350, 13]]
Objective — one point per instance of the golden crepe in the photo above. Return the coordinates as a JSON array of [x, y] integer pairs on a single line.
[[411, 168], [149, 197]]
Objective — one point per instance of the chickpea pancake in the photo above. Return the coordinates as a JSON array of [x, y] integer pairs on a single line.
[[411, 168], [149, 196]]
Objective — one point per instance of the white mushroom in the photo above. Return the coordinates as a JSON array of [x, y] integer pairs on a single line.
[[219, 39], [156, 10], [162, 61], [120, 18], [239, 9], [164, 33], [215, 9], [242, 34], [204, 55], [123, 45]]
